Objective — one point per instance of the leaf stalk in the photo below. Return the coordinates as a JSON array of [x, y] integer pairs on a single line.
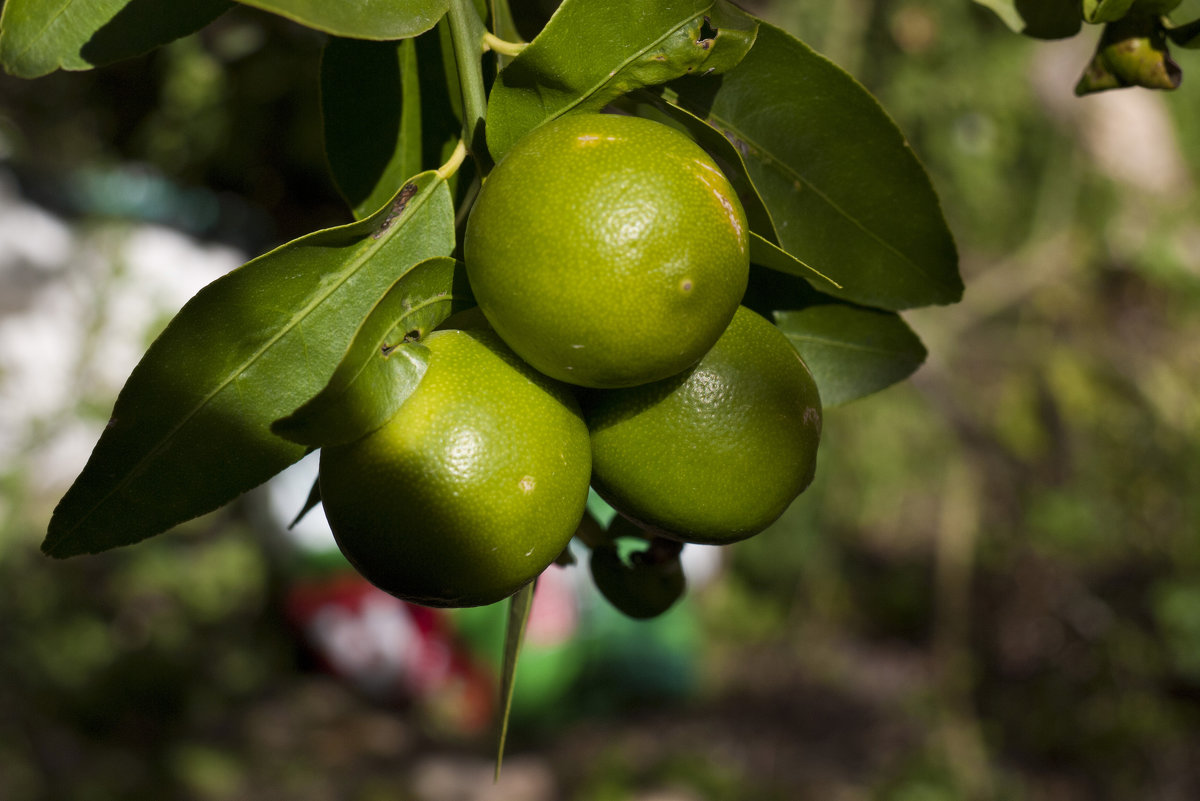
[[502, 46], [454, 162]]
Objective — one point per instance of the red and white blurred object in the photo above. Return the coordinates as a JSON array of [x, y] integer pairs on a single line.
[[392, 651], [444, 663]]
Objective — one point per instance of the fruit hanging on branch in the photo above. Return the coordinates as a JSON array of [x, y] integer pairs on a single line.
[[717, 453], [608, 251], [472, 488]]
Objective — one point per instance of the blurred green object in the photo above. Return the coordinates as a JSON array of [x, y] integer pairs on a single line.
[[583, 657], [1132, 52]]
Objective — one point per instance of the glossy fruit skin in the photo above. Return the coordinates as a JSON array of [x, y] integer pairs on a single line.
[[715, 454], [607, 251], [472, 488]]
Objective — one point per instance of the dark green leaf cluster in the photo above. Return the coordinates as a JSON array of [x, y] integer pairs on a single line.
[[319, 341], [1133, 48]]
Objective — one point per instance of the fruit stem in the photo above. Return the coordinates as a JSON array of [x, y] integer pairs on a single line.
[[454, 162], [466, 32], [493, 42]]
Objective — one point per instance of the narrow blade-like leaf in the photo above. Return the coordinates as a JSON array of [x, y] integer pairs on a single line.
[[592, 52], [310, 503], [190, 429], [852, 351], [380, 20], [519, 606], [846, 193], [38, 37], [386, 359], [763, 252]]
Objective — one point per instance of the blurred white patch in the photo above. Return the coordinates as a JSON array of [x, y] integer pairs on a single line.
[[1128, 133], [29, 235], [286, 494], [701, 564], [78, 307]]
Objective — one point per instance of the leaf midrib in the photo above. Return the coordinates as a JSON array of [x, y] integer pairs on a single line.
[[842, 344]]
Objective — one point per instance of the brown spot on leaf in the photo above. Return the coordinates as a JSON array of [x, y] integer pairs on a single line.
[[398, 207]]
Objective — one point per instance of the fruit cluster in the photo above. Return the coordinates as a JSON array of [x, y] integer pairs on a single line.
[[608, 255]]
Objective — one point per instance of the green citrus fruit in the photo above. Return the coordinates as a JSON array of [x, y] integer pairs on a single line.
[[607, 251], [717, 453], [472, 488]]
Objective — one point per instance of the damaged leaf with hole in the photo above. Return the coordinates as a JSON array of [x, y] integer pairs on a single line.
[[591, 54]]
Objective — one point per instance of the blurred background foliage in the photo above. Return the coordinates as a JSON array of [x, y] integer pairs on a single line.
[[992, 591]]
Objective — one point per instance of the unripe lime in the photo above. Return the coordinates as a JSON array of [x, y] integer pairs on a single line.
[[607, 251], [472, 488], [717, 453]]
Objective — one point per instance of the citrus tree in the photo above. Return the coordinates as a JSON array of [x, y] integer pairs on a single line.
[[642, 251]]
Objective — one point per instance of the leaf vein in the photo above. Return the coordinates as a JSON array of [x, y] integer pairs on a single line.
[[836, 343]]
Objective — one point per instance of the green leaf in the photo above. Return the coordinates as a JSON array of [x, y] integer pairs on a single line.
[[38, 37], [385, 360], [1050, 19], [646, 585], [852, 351], [380, 20], [1041, 19], [1007, 11], [518, 616], [190, 429], [1187, 36], [310, 503], [593, 51], [371, 108], [846, 193], [386, 113], [1097, 11], [504, 26], [770, 255]]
